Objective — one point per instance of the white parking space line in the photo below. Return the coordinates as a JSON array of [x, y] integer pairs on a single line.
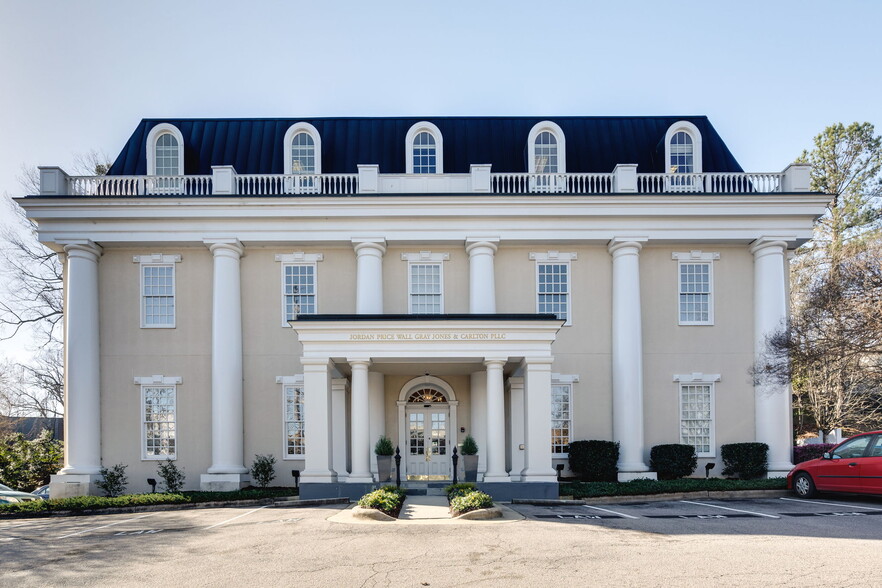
[[621, 514], [830, 503], [238, 517], [759, 514], [105, 526]]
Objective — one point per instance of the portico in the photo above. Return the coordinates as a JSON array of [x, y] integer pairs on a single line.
[[487, 348]]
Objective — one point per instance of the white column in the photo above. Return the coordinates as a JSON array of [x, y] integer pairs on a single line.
[[369, 275], [82, 376], [537, 421], [516, 426], [317, 408], [227, 424], [338, 432], [627, 354], [361, 444], [772, 401], [479, 418], [495, 422], [377, 398], [482, 278]]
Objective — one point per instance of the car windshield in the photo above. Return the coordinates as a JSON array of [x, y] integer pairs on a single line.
[[5, 488]]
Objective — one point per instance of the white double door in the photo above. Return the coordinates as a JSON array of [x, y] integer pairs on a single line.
[[428, 453]]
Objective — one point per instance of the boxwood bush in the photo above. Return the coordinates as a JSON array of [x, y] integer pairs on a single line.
[[673, 461], [387, 499], [803, 453], [595, 461], [639, 487], [460, 489], [474, 500], [745, 460]]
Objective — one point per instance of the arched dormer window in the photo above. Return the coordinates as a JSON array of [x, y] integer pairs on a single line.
[[547, 157], [683, 149], [165, 151], [425, 149], [303, 149]]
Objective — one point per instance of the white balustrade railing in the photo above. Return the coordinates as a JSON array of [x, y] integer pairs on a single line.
[[521, 183], [714, 182], [255, 184], [139, 185]]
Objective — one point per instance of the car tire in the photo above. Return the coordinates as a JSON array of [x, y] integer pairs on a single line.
[[803, 485]]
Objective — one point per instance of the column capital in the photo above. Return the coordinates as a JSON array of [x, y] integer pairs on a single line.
[[626, 245], [225, 246], [495, 361], [769, 244], [364, 362], [481, 245], [81, 248], [369, 245]]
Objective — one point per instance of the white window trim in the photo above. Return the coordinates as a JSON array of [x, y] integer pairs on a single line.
[[296, 380], [153, 136], [425, 258], [692, 131], [554, 129], [559, 258], [292, 131], [692, 258], [155, 260], [297, 258], [151, 381], [569, 380], [701, 379], [439, 145]]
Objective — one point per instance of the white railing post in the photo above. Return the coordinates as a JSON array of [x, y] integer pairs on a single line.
[[223, 180], [624, 178], [480, 177], [53, 181], [797, 178], [368, 178]]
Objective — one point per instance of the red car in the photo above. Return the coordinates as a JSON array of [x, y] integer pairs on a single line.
[[855, 465]]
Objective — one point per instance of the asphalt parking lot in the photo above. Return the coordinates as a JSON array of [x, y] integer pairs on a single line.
[[682, 543]]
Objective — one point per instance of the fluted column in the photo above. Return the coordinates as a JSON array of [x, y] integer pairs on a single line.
[[360, 428], [772, 401], [495, 422], [627, 354], [369, 275], [227, 439], [82, 376], [482, 277]]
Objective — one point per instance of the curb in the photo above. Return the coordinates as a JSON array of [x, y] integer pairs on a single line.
[[708, 494]]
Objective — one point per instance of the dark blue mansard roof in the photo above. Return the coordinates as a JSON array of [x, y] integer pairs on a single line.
[[593, 143]]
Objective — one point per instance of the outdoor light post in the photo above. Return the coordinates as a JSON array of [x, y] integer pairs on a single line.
[[397, 468], [455, 461]]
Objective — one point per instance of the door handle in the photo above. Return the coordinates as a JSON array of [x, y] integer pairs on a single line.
[[852, 464]]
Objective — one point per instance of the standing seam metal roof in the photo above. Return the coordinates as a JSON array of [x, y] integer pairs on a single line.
[[593, 144]]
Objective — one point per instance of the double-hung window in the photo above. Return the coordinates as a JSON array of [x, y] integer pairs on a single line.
[[158, 416], [157, 290], [697, 411], [425, 282], [299, 294], [553, 284], [695, 287], [561, 414], [293, 422]]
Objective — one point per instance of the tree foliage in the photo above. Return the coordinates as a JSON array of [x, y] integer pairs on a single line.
[[26, 465]]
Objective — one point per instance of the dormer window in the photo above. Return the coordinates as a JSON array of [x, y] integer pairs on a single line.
[[425, 149], [683, 156], [165, 151], [303, 149], [546, 157]]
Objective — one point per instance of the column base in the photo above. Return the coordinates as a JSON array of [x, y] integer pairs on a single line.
[[543, 475], [223, 482], [356, 478], [493, 478], [641, 475], [318, 477], [70, 485], [227, 469]]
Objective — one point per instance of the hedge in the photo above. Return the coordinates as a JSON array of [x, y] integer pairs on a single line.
[[474, 500], [387, 499], [745, 460], [803, 453], [673, 461], [638, 487], [594, 461]]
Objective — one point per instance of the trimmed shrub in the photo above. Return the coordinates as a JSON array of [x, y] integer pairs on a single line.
[[263, 470], [803, 453], [673, 461], [745, 460], [113, 480], [460, 489], [468, 502], [172, 476], [469, 447], [595, 461], [384, 446], [387, 499], [639, 487]]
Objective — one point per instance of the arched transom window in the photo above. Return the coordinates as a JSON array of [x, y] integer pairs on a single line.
[[682, 154], [167, 154], [302, 154], [425, 156], [426, 395], [545, 153]]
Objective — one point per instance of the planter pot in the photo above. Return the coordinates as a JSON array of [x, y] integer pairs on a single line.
[[470, 463], [384, 468]]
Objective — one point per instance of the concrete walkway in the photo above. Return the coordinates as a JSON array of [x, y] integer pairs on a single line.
[[424, 508]]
